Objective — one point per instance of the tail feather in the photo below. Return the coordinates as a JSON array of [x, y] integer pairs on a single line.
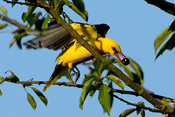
[[57, 74]]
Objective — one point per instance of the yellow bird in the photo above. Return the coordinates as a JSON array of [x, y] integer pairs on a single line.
[[75, 53]]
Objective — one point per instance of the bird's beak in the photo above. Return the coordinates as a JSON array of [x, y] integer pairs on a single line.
[[125, 60]]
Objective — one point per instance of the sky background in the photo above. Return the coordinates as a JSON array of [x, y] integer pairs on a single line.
[[133, 24]]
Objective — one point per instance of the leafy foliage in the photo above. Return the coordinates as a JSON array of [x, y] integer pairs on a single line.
[[40, 95], [127, 112], [134, 71], [116, 80], [3, 26], [162, 37], [31, 100], [86, 89], [138, 110], [12, 78], [105, 98], [0, 93], [3, 10]]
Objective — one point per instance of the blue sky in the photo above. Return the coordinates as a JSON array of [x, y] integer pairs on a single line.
[[134, 25]]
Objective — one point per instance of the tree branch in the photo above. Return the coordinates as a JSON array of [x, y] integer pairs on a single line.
[[160, 97], [136, 105], [21, 3], [14, 22], [163, 5], [28, 83]]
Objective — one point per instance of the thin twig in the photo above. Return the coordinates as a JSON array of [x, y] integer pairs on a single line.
[[160, 97], [136, 105], [14, 22], [28, 4], [20, 3], [80, 86], [163, 5]]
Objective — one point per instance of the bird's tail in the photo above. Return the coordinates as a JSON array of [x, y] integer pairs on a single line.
[[59, 71]]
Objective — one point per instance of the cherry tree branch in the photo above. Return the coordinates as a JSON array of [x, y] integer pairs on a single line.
[[28, 83], [163, 5], [14, 22], [136, 105]]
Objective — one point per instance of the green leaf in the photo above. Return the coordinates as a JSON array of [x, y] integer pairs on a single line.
[[32, 19], [135, 66], [105, 98], [1, 79], [162, 37], [138, 75], [127, 69], [165, 101], [3, 26], [80, 5], [28, 13], [40, 95], [111, 93], [75, 9], [104, 65], [140, 103], [85, 90], [17, 38], [169, 45], [127, 112], [169, 115], [66, 2], [116, 80], [139, 109], [32, 101], [92, 91], [3, 10], [12, 78], [142, 113], [45, 23], [0, 93]]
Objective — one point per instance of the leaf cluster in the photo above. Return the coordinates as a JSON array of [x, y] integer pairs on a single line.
[[99, 79], [165, 40], [14, 79], [138, 110]]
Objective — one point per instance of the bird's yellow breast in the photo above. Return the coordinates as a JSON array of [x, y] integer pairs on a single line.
[[73, 55], [77, 53]]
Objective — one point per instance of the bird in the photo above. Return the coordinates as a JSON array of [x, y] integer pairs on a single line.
[[75, 53]]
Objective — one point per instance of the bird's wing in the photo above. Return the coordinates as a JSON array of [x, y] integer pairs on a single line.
[[54, 38]]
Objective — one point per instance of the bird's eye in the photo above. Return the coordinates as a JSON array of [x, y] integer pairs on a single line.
[[115, 49]]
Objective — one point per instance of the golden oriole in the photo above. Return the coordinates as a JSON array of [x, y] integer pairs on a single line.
[[56, 37]]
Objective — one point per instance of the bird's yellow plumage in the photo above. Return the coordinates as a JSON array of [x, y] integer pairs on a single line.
[[75, 55], [56, 37]]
